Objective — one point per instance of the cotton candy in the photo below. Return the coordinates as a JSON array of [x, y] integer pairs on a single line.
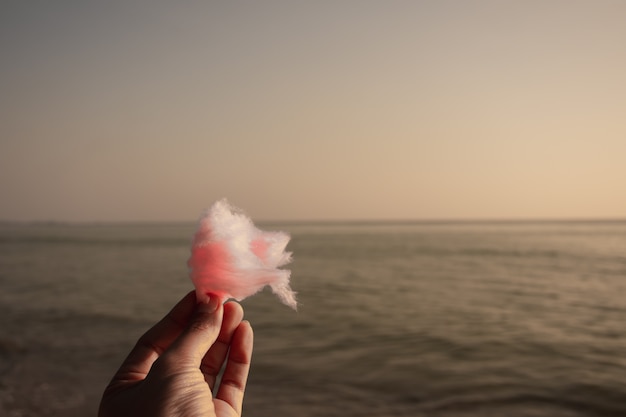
[[231, 258]]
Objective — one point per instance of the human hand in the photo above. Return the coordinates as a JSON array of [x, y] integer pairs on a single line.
[[173, 368]]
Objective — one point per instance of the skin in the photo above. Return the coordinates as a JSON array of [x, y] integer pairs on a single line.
[[172, 370]]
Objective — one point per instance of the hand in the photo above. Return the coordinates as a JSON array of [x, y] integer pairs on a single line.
[[172, 370]]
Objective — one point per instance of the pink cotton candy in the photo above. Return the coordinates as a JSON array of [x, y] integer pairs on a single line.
[[230, 257]]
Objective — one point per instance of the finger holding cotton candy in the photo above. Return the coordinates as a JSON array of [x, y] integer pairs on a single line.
[[232, 258]]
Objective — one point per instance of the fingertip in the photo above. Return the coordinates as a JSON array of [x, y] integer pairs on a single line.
[[209, 304], [244, 334], [207, 314], [233, 309]]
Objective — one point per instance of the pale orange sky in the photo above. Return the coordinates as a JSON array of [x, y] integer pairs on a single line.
[[151, 110]]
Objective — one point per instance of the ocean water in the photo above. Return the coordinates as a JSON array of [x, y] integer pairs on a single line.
[[416, 319]]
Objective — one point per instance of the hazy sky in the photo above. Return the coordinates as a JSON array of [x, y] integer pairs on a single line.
[[151, 110]]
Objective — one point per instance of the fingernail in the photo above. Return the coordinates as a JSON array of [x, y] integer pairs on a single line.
[[211, 305]]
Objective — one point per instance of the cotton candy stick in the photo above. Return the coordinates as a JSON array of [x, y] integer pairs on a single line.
[[232, 258]]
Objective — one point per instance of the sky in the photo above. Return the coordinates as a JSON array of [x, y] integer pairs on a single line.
[[312, 110]]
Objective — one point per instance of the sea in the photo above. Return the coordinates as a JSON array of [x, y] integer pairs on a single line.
[[439, 319]]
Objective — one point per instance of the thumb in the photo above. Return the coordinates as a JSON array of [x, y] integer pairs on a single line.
[[202, 331]]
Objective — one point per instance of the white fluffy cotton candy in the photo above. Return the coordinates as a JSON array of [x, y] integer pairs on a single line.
[[232, 258]]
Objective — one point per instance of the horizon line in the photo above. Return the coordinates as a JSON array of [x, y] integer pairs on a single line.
[[334, 222]]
